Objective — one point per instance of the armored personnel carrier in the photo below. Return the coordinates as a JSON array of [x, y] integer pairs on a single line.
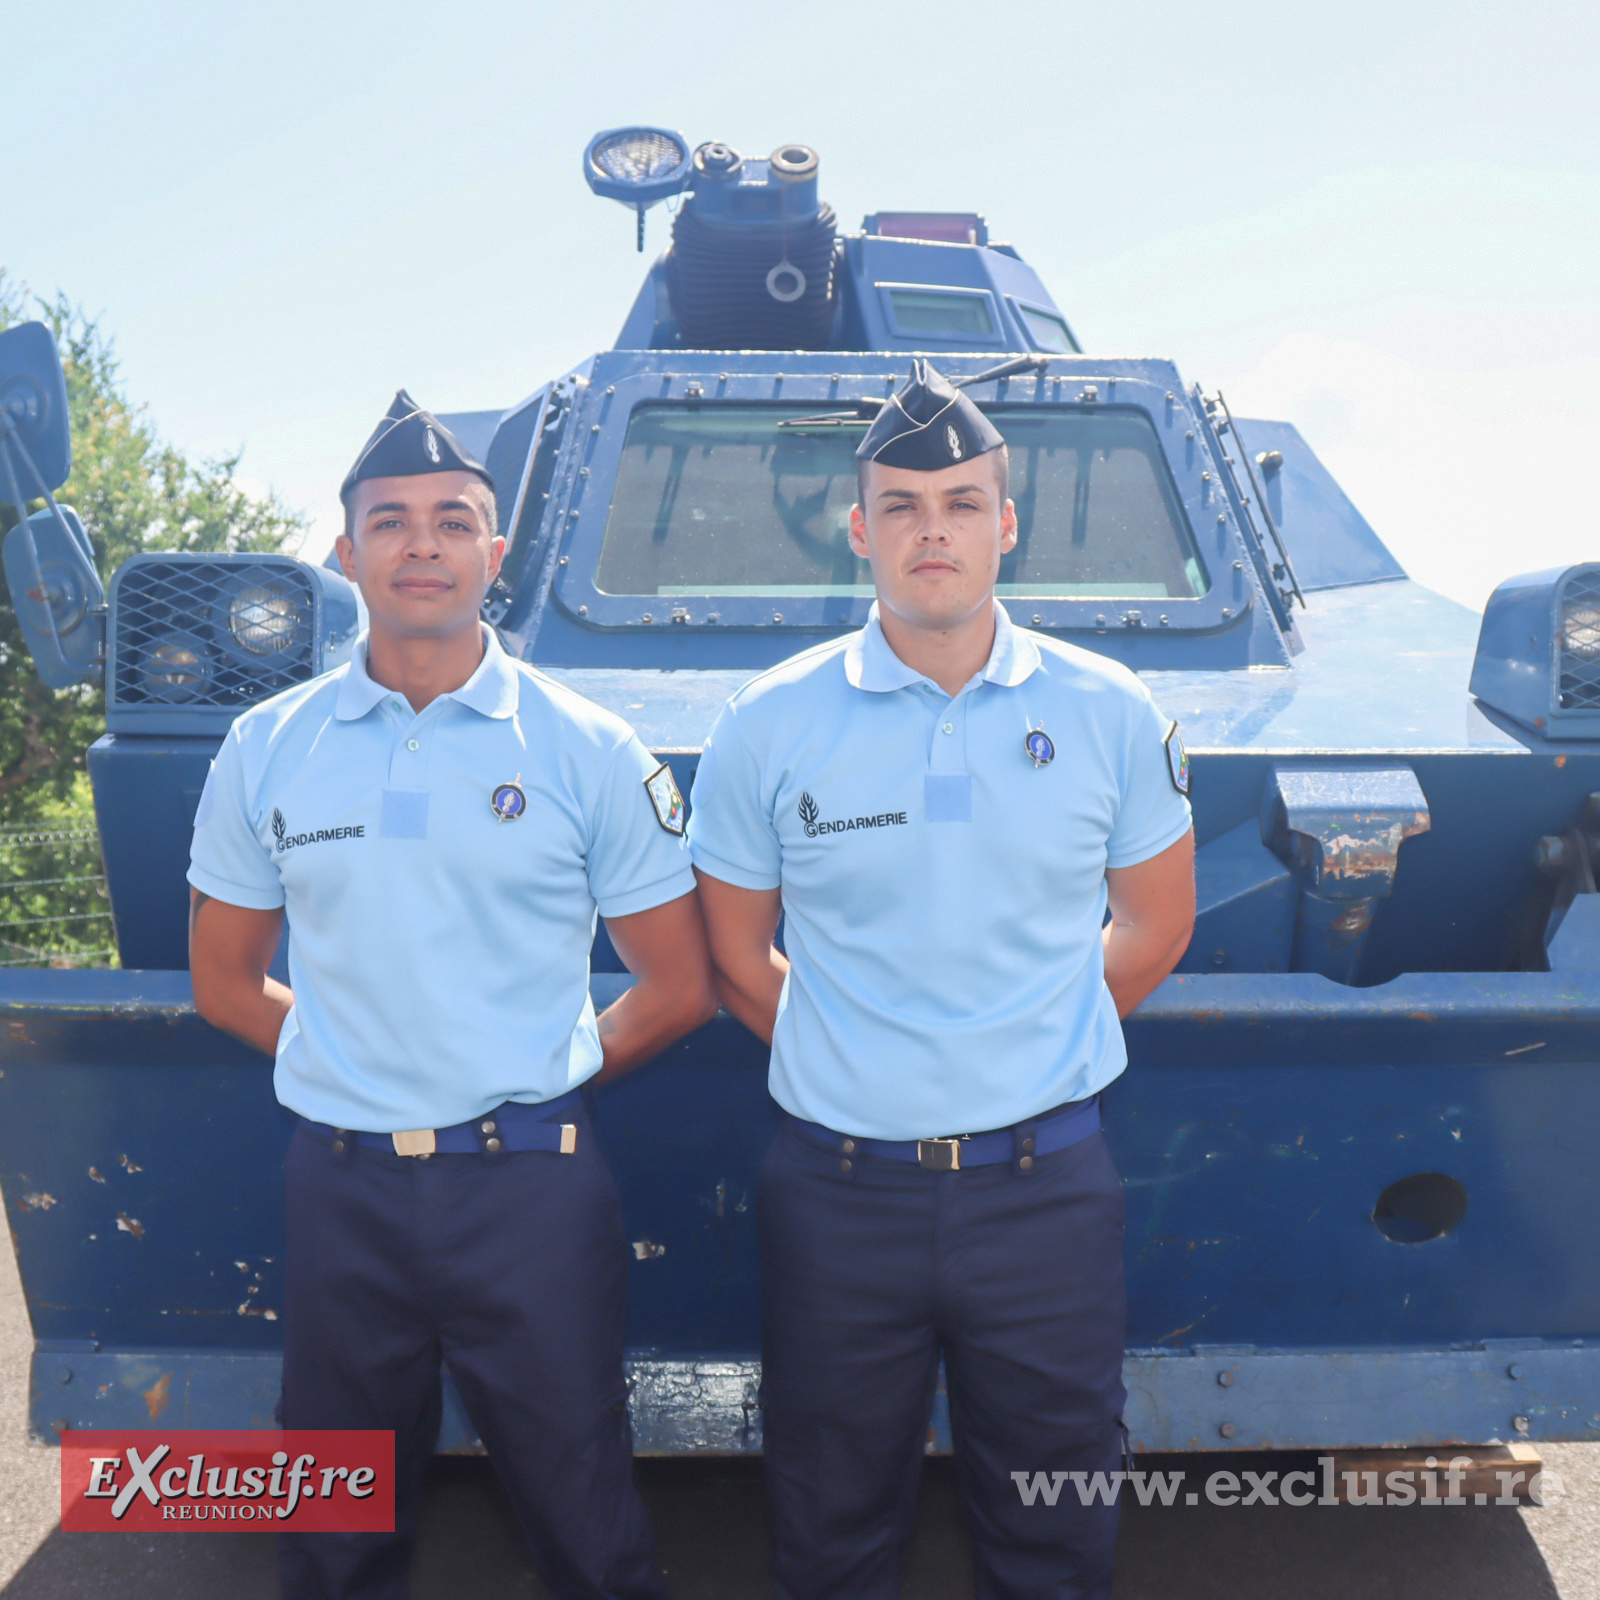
[[1357, 1127]]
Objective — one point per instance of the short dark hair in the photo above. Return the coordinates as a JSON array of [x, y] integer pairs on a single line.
[[491, 508], [1002, 472]]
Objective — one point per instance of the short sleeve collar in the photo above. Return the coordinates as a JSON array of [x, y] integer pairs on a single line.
[[492, 690], [871, 664], [1015, 656]]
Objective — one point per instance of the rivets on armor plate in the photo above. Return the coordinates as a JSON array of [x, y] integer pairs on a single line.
[[1227, 1430]]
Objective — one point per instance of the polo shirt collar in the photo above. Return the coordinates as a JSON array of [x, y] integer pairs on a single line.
[[492, 690], [871, 664]]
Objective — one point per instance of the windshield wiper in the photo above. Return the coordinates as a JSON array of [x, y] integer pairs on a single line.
[[1006, 369], [864, 412], [863, 415]]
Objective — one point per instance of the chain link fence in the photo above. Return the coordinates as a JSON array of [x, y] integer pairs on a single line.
[[54, 911]]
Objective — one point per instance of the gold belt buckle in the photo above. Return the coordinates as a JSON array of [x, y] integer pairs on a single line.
[[939, 1155], [421, 1142]]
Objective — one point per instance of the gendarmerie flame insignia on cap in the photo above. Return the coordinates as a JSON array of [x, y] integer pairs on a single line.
[[928, 425], [408, 442]]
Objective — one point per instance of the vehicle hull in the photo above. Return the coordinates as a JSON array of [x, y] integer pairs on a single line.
[[1260, 1119]]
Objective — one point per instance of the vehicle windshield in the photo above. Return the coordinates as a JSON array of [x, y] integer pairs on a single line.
[[721, 500]]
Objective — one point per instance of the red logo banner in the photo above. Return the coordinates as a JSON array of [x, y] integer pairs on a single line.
[[199, 1481]]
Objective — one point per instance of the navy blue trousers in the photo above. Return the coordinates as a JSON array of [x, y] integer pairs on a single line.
[[868, 1278], [512, 1270]]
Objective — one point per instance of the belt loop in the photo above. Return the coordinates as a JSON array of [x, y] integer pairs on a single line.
[[488, 1130], [1024, 1139], [849, 1156]]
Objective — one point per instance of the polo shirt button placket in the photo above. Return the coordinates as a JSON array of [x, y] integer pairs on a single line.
[[948, 753], [408, 769]]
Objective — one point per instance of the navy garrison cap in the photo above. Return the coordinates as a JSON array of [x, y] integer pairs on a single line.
[[928, 425], [408, 442]]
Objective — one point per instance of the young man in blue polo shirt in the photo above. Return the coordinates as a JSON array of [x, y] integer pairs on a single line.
[[442, 824], [942, 807]]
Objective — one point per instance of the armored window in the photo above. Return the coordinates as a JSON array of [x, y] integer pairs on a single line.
[[941, 314], [721, 500], [1047, 331]]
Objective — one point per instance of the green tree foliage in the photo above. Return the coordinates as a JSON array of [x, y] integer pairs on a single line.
[[134, 492]]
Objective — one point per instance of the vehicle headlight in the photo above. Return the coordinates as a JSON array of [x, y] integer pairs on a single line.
[[1580, 627], [176, 668], [638, 155], [638, 166], [262, 621]]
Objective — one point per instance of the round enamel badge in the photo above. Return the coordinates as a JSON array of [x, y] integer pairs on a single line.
[[508, 802], [1040, 750]]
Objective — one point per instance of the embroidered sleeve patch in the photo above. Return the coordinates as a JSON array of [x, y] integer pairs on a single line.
[[664, 796], [1177, 760]]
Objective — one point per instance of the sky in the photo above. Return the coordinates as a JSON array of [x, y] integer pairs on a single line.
[[1379, 221]]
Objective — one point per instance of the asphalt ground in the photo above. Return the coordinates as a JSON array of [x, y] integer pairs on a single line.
[[709, 1518]]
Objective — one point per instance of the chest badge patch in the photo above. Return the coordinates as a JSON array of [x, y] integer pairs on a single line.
[[508, 801], [663, 791], [1177, 760], [1041, 750]]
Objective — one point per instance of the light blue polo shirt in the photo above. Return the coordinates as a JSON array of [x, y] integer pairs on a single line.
[[943, 894], [439, 956]]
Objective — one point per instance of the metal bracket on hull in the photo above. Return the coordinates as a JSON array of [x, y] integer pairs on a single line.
[[1341, 829]]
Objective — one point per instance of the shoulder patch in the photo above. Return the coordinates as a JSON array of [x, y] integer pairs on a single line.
[[1177, 760], [663, 791]]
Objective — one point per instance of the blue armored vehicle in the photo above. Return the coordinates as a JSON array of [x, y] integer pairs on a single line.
[[1357, 1127]]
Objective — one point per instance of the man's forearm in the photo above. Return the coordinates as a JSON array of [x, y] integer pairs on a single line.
[[229, 951], [751, 990], [745, 965], [642, 1023], [1137, 959], [665, 949], [1152, 919], [252, 1013]]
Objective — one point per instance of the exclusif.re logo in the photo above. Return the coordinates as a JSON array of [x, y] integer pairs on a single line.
[[311, 1481], [810, 820], [287, 841]]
